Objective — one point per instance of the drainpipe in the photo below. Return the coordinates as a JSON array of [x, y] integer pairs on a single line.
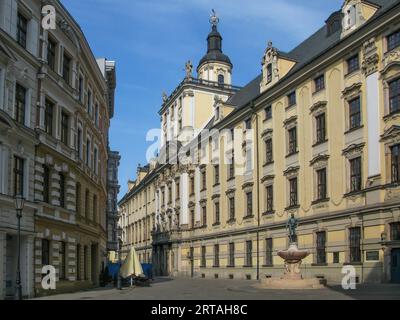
[[254, 112]]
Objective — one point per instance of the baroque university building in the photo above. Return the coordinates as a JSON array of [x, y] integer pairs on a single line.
[[316, 134], [56, 102]]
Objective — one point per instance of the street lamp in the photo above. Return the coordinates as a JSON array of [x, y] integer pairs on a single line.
[[19, 206], [119, 282]]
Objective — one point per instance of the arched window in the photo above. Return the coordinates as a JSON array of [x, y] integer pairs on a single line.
[[221, 79]]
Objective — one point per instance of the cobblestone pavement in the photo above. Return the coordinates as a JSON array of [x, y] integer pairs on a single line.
[[207, 289]]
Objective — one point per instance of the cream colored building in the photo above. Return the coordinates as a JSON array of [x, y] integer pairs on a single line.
[[316, 135], [56, 103]]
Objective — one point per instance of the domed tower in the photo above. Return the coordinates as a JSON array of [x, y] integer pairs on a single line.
[[215, 65]]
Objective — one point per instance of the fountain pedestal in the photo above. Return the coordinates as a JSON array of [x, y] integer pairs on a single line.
[[292, 278]]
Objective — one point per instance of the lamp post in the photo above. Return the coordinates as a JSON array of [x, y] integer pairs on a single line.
[[119, 282], [19, 206]]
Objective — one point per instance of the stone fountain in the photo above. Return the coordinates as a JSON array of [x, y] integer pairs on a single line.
[[292, 277]]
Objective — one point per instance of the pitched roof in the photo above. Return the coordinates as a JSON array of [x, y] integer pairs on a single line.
[[304, 53]]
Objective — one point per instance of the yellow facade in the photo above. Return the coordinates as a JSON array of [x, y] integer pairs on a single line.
[[336, 175]]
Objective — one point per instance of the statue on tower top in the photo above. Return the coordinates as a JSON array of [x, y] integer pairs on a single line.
[[214, 20]]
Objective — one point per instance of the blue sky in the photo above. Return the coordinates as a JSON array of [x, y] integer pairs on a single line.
[[152, 39]]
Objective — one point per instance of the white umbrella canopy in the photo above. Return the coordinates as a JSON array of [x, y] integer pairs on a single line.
[[131, 266]]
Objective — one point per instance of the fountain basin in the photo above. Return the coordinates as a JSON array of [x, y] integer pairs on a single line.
[[293, 254]]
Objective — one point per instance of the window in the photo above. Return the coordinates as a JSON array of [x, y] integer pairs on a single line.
[[321, 247], [62, 190], [394, 96], [64, 127], [48, 117], [85, 263], [217, 213], [268, 113], [95, 160], [79, 144], [18, 176], [395, 231], [321, 128], [268, 252], [204, 213], [87, 204], [249, 204], [269, 73], [319, 83], [62, 261], [204, 180], [268, 151], [293, 192], [45, 252], [88, 147], [355, 113], [231, 168], [292, 140], [395, 155], [192, 186], [231, 208], [216, 174], [216, 256], [89, 102], [80, 89], [22, 29], [78, 262], [66, 68], [192, 219], [249, 253], [46, 184], [269, 198], [96, 115], [355, 244], [178, 190], [336, 257], [221, 79], [203, 257], [169, 194], [231, 255], [51, 54], [393, 40], [291, 99], [355, 175], [353, 64], [95, 208], [20, 103], [321, 184], [78, 199]]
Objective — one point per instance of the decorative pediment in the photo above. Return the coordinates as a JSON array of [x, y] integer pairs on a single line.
[[267, 133], [352, 91], [291, 171], [191, 204], [216, 196], [275, 65], [317, 107], [290, 121], [354, 149], [247, 185], [319, 160], [390, 60], [267, 178], [230, 192], [391, 134]]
